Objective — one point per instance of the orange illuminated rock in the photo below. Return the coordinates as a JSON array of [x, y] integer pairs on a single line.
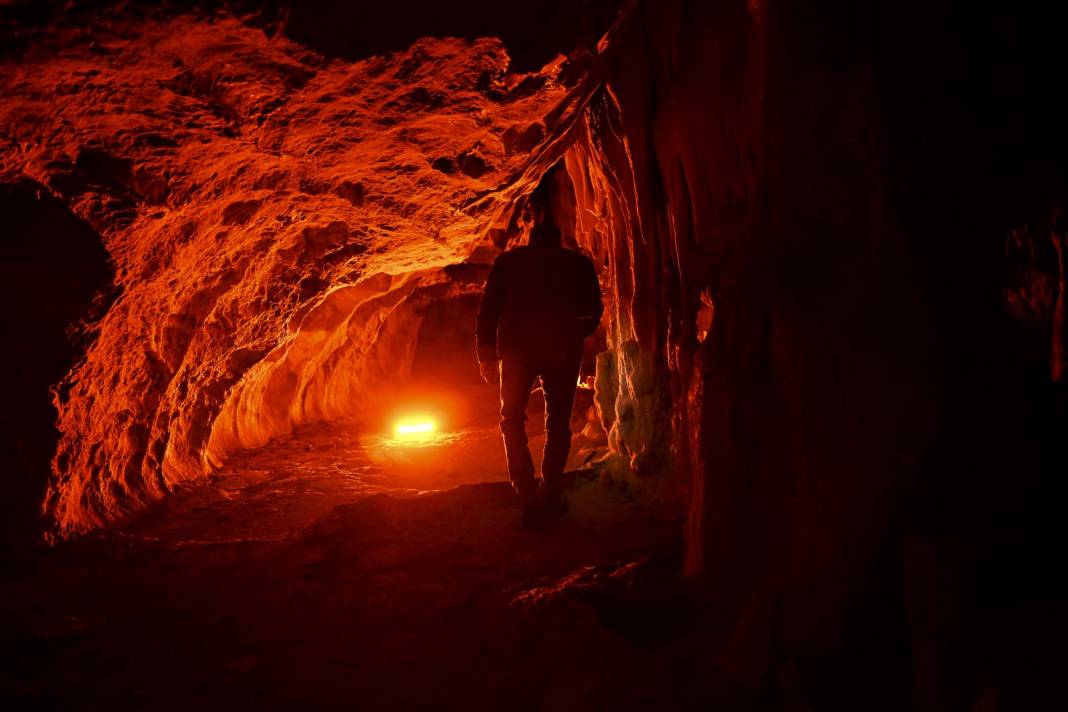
[[281, 224], [276, 221]]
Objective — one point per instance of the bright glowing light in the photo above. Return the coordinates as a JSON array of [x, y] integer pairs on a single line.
[[415, 428]]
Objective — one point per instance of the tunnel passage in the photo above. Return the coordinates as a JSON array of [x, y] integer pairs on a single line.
[[281, 226], [356, 356]]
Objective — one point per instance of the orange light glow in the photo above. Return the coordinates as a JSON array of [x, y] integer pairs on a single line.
[[419, 428]]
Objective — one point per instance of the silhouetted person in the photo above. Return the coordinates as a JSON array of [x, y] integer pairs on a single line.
[[541, 300]]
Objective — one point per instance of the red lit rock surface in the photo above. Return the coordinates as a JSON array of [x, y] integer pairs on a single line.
[[271, 214]]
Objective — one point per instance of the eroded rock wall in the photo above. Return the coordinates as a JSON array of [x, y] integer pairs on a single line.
[[811, 263], [246, 188], [770, 330]]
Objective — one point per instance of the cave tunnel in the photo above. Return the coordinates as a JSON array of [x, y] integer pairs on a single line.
[[818, 436]]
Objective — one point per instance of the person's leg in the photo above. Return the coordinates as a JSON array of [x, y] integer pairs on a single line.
[[517, 378], [558, 381]]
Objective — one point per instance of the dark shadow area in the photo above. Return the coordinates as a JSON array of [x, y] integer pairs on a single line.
[[339, 568], [534, 32], [55, 273], [977, 150], [444, 354]]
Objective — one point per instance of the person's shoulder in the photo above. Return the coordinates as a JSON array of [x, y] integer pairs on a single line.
[[579, 258], [518, 253], [509, 256]]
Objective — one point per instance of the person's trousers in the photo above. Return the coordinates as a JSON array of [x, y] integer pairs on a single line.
[[559, 377]]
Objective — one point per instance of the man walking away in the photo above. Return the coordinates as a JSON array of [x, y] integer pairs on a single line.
[[541, 300]]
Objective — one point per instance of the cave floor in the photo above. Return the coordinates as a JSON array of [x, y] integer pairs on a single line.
[[334, 570]]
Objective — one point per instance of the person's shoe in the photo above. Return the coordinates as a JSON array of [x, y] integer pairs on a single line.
[[553, 502], [529, 501]]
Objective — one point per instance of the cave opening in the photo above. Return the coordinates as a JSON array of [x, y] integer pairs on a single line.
[[401, 389]]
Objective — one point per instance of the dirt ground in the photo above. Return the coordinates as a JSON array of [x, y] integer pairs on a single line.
[[336, 569]]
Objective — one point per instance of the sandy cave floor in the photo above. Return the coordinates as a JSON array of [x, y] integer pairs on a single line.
[[340, 570]]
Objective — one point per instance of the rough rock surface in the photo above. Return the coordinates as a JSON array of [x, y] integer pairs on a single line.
[[259, 203], [817, 209]]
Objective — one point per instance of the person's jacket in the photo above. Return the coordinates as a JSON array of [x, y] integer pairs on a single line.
[[540, 302]]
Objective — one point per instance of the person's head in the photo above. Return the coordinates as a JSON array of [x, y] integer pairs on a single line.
[[537, 208], [545, 234]]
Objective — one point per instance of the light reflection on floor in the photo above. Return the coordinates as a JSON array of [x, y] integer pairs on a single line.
[[275, 490], [424, 440]]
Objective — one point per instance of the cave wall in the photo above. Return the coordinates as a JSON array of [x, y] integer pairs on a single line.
[[355, 351], [820, 182], [244, 188]]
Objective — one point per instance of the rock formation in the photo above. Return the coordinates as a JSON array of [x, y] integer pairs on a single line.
[[269, 214]]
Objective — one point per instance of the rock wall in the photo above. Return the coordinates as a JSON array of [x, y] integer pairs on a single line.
[[803, 216], [272, 216], [352, 351]]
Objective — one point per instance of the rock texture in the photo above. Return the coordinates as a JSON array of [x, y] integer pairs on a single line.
[[269, 213], [812, 266]]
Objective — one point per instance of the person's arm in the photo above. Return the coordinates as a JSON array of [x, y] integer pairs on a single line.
[[592, 306], [489, 314]]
